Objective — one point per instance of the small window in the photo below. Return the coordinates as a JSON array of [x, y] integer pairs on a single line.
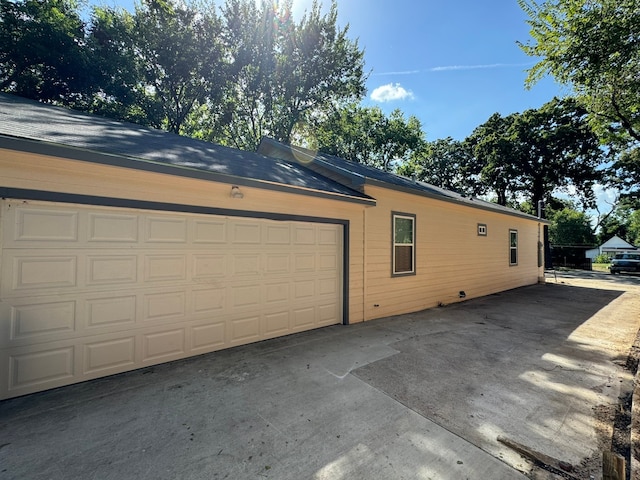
[[404, 236], [513, 247], [482, 229]]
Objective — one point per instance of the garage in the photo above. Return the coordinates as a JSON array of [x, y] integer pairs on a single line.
[[96, 290]]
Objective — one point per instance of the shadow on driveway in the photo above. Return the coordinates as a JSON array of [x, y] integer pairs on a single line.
[[416, 396]]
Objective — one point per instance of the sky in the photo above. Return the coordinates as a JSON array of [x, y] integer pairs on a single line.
[[450, 63]]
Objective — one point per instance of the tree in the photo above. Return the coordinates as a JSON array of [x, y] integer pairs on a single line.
[[592, 46], [288, 72], [182, 60], [366, 135], [42, 53], [119, 91], [493, 159], [538, 153], [570, 227], [442, 163]]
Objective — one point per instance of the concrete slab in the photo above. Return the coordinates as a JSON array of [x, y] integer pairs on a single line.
[[420, 396]]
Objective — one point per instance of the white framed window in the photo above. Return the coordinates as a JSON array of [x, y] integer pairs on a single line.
[[513, 247], [403, 255], [482, 229]]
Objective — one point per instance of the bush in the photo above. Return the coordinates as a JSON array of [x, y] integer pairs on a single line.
[[602, 258]]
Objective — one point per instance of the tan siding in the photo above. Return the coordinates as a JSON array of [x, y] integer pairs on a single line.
[[450, 256], [39, 172]]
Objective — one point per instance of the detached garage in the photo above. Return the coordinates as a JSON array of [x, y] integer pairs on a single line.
[[123, 247]]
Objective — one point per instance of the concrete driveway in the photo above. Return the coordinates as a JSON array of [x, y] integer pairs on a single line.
[[420, 396]]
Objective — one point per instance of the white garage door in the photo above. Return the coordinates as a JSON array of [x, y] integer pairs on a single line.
[[91, 291]]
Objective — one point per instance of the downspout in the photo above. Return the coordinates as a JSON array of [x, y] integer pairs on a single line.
[[364, 264]]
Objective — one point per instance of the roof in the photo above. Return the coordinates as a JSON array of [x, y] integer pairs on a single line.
[[38, 128], [617, 242], [356, 175]]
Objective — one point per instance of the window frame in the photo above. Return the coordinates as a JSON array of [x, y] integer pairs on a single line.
[[406, 216], [513, 248]]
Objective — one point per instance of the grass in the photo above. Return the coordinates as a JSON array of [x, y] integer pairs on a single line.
[[600, 267]]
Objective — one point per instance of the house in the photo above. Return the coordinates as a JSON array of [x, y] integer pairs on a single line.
[[123, 247], [612, 246]]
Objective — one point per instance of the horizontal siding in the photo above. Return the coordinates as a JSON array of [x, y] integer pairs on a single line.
[[450, 256], [51, 174]]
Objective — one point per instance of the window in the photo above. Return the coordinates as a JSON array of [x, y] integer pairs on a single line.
[[404, 237], [513, 247], [482, 229]]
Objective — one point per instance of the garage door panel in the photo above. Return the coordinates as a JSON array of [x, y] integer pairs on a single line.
[[111, 269], [109, 355], [53, 272], [41, 367], [164, 305], [244, 330], [208, 300], [45, 225], [109, 227], [164, 345], [243, 233], [111, 311], [208, 266], [277, 263], [208, 337], [277, 323], [165, 230], [165, 267], [91, 291], [28, 322]]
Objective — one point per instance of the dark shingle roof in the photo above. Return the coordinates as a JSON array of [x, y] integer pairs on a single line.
[[135, 146], [356, 175]]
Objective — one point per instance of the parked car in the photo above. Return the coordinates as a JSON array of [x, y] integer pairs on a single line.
[[625, 262]]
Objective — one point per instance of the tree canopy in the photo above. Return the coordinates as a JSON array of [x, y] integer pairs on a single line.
[[594, 47], [537, 153], [231, 74]]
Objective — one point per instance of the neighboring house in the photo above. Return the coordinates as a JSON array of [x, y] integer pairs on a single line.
[[612, 246], [124, 247]]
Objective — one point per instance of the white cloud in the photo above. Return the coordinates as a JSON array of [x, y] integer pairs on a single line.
[[390, 92]]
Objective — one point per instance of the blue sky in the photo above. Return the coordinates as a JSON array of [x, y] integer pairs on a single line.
[[451, 63]]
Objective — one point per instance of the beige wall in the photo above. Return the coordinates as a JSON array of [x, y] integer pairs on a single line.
[[38, 172], [450, 256]]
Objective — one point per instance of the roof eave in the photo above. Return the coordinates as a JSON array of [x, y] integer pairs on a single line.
[[471, 204], [74, 153]]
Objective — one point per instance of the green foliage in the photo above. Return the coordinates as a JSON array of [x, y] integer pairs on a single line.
[[537, 153], [593, 46], [602, 258], [232, 78], [288, 72], [443, 163], [365, 135], [570, 227], [41, 50]]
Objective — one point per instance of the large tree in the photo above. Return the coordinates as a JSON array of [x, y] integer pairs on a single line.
[[570, 227], [532, 155], [42, 53], [182, 60], [443, 162], [288, 71], [593, 46], [366, 135]]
